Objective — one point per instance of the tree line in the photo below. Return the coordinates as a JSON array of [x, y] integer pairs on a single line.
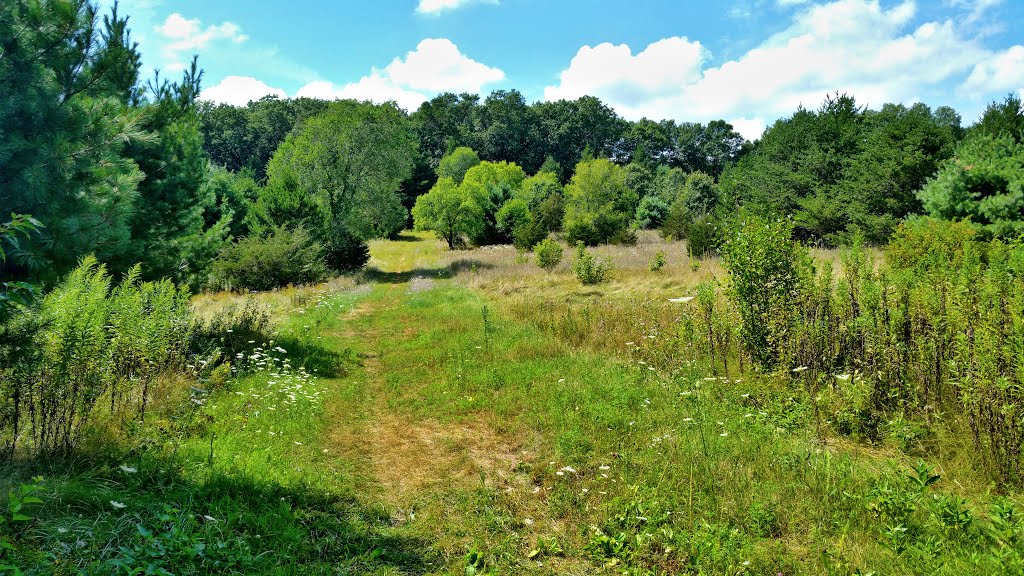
[[132, 170]]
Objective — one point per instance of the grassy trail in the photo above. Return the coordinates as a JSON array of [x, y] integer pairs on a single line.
[[410, 421]]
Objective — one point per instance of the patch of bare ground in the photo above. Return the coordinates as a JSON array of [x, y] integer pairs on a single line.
[[411, 457], [407, 457]]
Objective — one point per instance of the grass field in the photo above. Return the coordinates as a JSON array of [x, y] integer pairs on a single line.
[[430, 417]]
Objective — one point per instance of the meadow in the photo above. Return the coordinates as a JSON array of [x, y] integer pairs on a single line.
[[464, 412]]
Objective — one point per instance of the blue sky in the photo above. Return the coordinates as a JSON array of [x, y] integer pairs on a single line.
[[747, 61]]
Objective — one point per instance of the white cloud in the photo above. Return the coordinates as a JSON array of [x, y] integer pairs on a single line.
[[374, 88], [615, 73], [1002, 72], [239, 90], [435, 65], [435, 7], [853, 46], [788, 3], [977, 8], [181, 35]]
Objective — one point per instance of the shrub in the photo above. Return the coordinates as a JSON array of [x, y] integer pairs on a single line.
[[651, 212], [590, 270], [676, 221], [93, 343], [658, 262], [764, 264], [263, 263], [549, 254], [702, 238]]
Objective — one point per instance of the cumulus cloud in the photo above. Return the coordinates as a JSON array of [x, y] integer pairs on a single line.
[[856, 46], [435, 7], [239, 91], [1002, 72], [613, 72], [435, 65]]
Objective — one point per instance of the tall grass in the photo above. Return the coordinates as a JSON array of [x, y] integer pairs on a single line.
[[91, 346]]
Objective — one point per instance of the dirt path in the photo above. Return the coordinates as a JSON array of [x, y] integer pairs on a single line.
[[410, 456]]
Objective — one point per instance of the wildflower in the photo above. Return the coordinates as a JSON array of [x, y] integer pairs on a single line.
[[799, 369], [128, 469], [118, 505], [842, 376], [604, 467], [528, 521]]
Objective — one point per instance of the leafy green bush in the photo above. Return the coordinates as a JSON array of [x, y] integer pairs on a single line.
[[549, 254], [765, 265], [651, 212], [263, 263], [658, 262], [587, 268], [94, 343], [702, 238]]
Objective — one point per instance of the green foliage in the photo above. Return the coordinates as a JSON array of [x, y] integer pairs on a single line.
[[65, 128], [658, 262], [94, 342], [450, 211], [700, 194], [651, 212], [844, 167], [703, 238], [984, 183], [244, 138], [278, 259], [765, 269], [491, 185], [549, 254], [515, 219], [1004, 118], [598, 204], [587, 268], [338, 174], [456, 164], [13, 293]]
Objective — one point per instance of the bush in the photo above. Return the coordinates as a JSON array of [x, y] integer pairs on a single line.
[[658, 262], [676, 222], [702, 238], [263, 263], [590, 270], [549, 254], [765, 265], [651, 212], [92, 343]]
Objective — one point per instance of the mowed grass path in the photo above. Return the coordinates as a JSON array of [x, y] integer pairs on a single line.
[[507, 451]]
